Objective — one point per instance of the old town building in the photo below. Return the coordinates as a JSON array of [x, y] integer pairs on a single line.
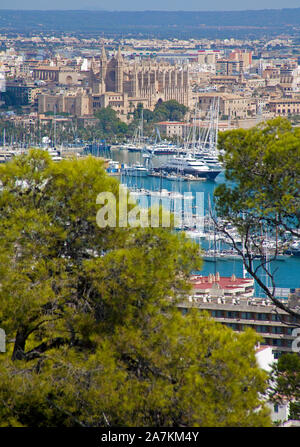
[[230, 105], [147, 82]]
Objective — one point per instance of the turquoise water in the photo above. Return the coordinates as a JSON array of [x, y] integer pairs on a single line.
[[287, 272]]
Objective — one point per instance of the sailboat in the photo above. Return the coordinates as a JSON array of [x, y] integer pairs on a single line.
[[192, 162], [137, 143], [205, 149]]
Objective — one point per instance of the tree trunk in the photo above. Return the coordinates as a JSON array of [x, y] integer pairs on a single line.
[[19, 346]]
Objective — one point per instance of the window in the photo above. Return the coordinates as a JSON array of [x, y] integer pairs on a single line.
[[262, 317], [231, 314], [262, 329], [276, 408], [247, 316]]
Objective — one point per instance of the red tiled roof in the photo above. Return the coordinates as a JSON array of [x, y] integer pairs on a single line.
[[262, 348], [205, 282]]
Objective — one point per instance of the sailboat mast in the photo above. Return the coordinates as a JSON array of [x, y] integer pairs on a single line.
[[142, 125], [194, 131], [217, 124]]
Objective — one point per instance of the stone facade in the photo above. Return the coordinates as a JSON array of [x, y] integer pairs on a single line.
[[46, 73], [131, 83], [231, 105], [77, 103], [284, 106]]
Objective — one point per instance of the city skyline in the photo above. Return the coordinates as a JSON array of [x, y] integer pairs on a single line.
[[156, 5]]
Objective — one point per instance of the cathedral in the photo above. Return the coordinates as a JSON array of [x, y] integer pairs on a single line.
[[123, 84]]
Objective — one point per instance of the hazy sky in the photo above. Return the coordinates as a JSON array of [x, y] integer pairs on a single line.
[[141, 5]]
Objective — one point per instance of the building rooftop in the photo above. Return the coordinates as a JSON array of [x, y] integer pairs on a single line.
[[262, 348], [222, 95], [204, 282], [168, 123]]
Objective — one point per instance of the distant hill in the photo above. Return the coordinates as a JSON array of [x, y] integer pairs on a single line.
[[173, 23]]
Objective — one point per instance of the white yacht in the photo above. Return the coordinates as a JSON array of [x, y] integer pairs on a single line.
[[190, 165], [209, 158], [137, 170]]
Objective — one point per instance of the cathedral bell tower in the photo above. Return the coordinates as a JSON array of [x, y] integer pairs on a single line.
[[119, 71], [103, 71]]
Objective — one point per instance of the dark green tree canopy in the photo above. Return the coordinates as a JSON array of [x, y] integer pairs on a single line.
[[94, 334], [109, 123], [170, 110]]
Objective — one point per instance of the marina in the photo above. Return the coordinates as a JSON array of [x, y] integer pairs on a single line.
[[159, 186], [149, 167], [220, 257]]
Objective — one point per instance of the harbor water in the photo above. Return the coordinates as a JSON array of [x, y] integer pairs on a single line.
[[286, 271]]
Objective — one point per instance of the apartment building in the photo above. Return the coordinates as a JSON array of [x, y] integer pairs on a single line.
[[241, 56], [230, 301], [284, 106], [230, 105], [228, 67]]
